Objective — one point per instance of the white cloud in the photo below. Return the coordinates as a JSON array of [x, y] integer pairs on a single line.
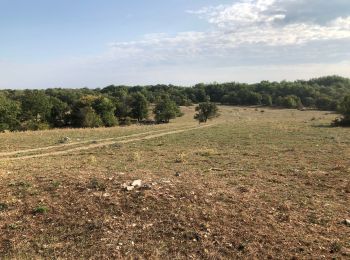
[[255, 23], [247, 40]]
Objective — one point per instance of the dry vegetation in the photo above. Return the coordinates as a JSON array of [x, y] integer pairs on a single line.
[[256, 184]]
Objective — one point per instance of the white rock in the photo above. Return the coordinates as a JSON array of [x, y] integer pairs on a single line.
[[136, 183], [347, 222], [129, 188]]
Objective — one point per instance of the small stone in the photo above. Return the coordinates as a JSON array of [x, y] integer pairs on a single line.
[[177, 174], [129, 188], [346, 222], [136, 183], [146, 187], [65, 140]]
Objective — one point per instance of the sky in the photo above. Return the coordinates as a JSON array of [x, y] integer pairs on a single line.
[[90, 43]]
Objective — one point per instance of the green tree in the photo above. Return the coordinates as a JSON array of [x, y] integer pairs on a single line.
[[165, 110], [36, 106], [59, 112], [83, 114], [9, 112], [86, 117], [105, 108], [344, 109], [123, 109], [266, 100], [139, 106], [205, 111]]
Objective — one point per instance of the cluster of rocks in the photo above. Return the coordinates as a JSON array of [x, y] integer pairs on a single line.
[[136, 184], [64, 140]]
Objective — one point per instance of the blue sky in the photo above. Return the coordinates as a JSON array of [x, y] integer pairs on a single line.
[[61, 43]]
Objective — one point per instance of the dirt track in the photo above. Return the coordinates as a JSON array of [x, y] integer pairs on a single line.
[[94, 143], [4, 154]]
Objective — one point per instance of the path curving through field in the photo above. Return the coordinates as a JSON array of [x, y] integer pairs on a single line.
[[4, 154], [97, 143]]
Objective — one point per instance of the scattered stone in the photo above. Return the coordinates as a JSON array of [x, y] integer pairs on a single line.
[[216, 169], [136, 183], [346, 222], [129, 188], [64, 140], [146, 187]]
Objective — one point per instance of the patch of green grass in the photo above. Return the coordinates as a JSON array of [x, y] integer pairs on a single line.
[[40, 210]]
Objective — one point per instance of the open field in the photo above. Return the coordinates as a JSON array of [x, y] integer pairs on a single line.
[[254, 183]]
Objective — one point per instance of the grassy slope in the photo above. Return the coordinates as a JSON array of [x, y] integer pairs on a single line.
[[273, 184]]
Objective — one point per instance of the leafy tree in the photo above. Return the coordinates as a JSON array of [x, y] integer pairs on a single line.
[[123, 108], [83, 114], [86, 117], [9, 112], [344, 109], [206, 111], [105, 108], [266, 100], [165, 110], [59, 112], [325, 103], [139, 106], [309, 102], [291, 101], [230, 99], [36, 106]]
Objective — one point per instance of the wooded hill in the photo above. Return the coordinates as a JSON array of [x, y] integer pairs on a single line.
[[112, 105]]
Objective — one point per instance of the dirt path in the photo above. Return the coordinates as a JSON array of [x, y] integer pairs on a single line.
[[4, 154], [107, 143]]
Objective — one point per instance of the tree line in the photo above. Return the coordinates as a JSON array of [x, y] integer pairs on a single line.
[[113, 105]]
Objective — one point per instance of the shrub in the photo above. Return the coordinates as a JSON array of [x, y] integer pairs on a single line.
[[165, 110], [206, 111], [344, 109]]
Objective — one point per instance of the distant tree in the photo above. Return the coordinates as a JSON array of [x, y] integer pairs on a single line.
[[105, 108], [165, 110], [266, 100], [36, 106], [205, 111], [231, 99], [309, 102], [123, 106], [86, 117], [291, 101], [9, 112], [59, 112], [326, 103], [344, 109], [139, 106], [83, 113]]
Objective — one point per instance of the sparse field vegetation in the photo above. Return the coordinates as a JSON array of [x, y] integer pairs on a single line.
[[246, 185]]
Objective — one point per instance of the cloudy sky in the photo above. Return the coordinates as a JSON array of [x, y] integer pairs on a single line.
[[65, 43]]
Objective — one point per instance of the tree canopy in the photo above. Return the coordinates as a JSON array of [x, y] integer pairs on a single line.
[[41, 109], [206, 111]]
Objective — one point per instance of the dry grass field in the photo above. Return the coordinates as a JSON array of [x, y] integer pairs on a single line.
[[251, 184]]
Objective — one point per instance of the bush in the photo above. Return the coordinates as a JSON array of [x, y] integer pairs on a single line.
[[165, 110], [206, 111], [109, 120], [344, 109]]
